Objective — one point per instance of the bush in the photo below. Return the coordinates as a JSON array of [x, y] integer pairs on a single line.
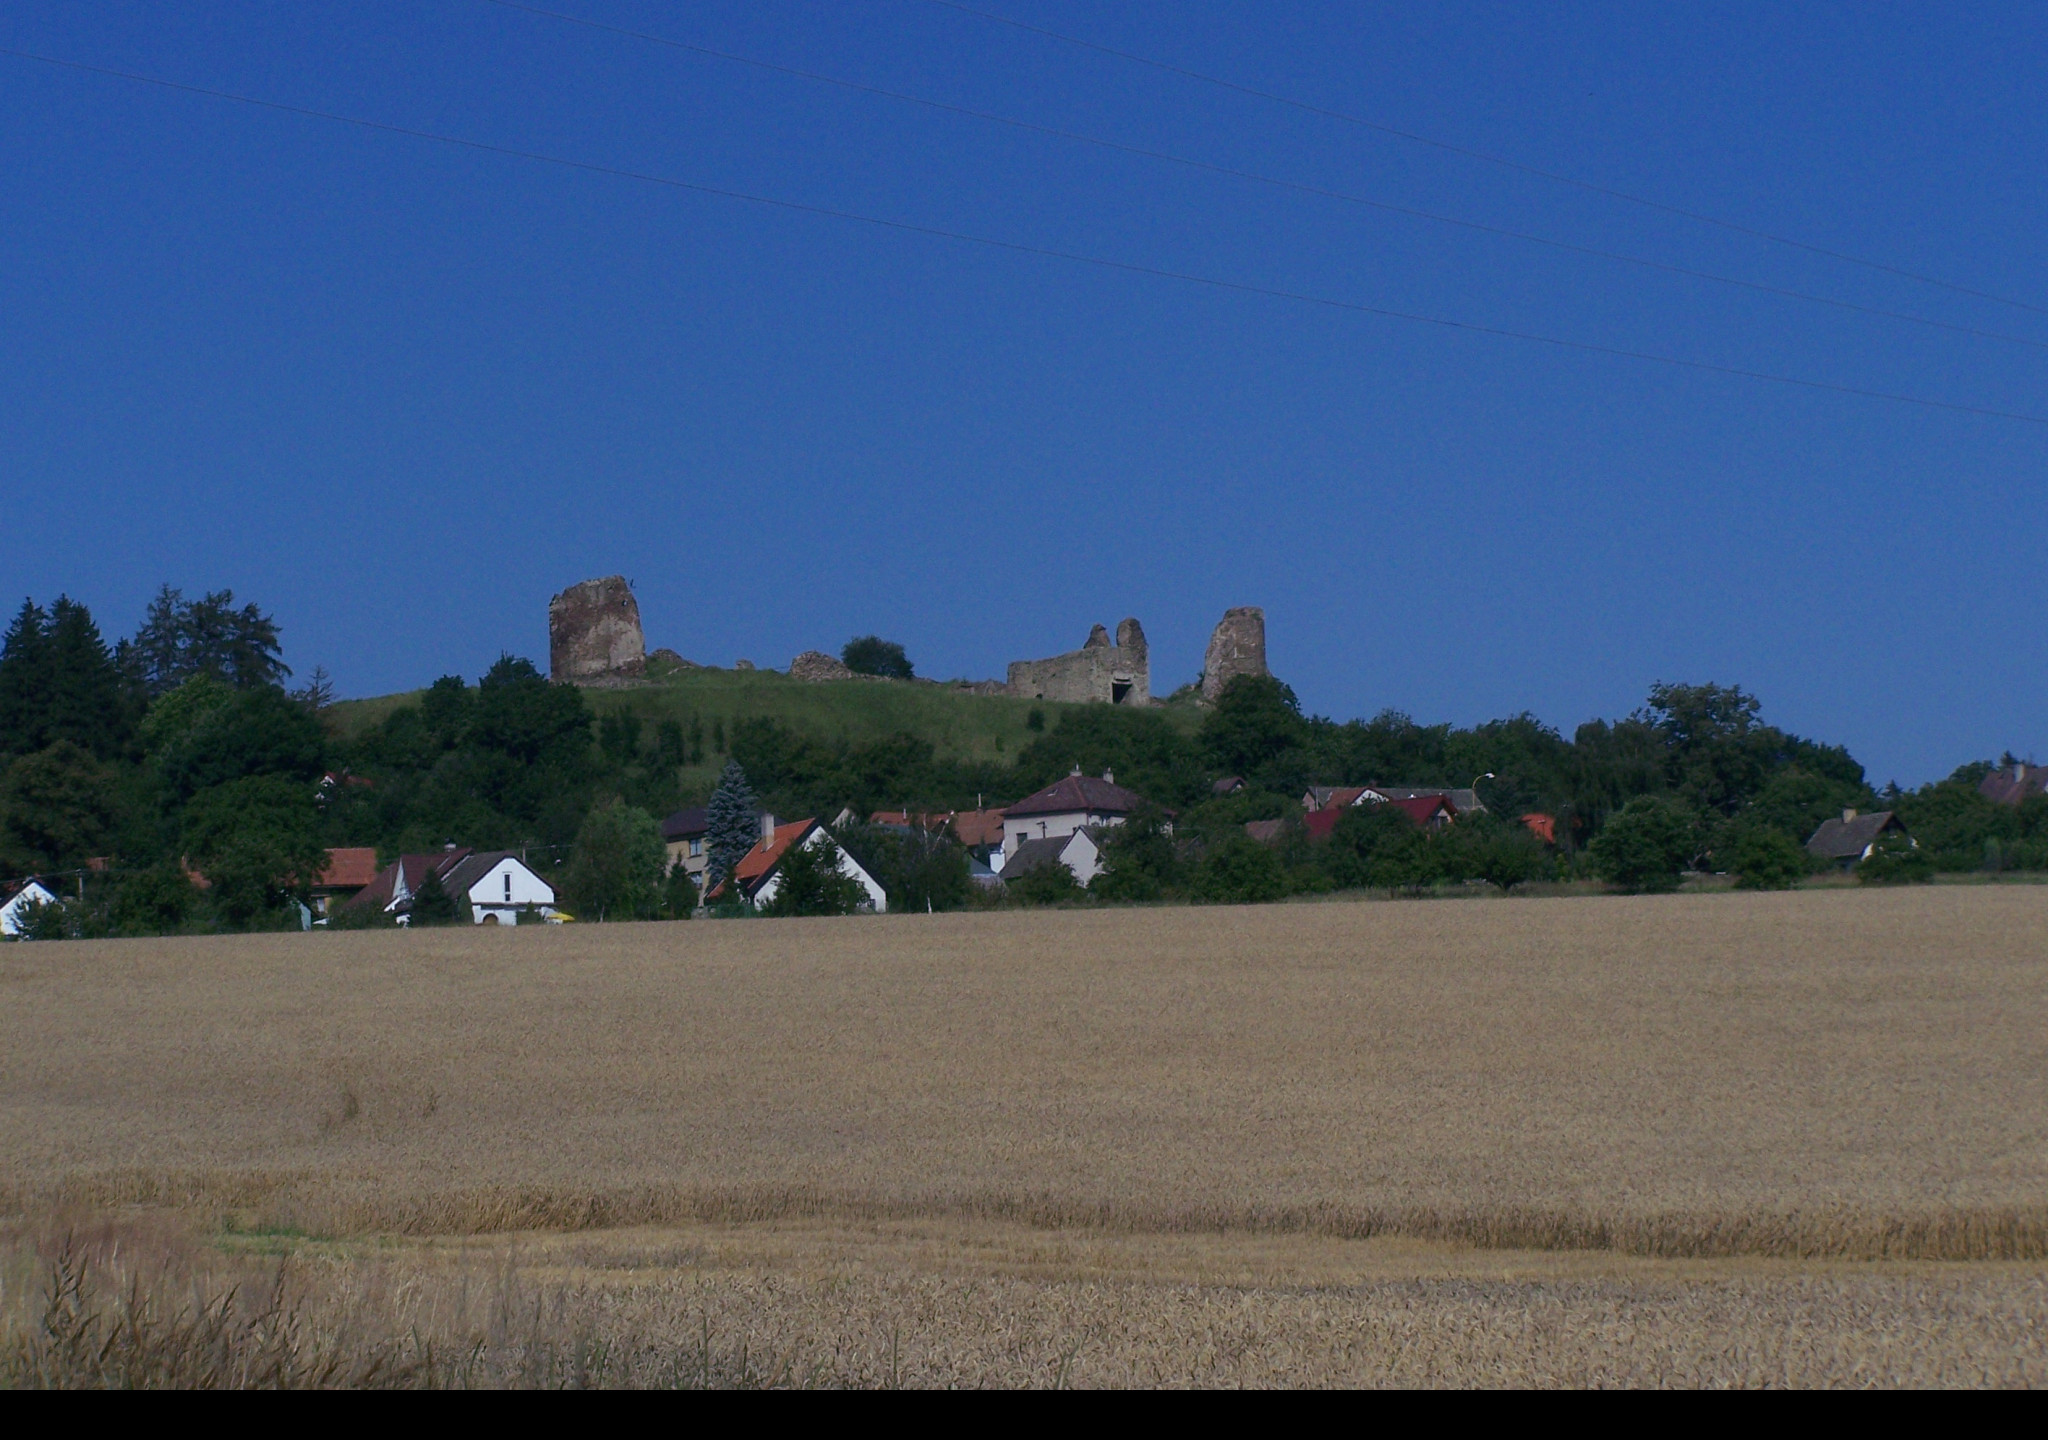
[[40, 921], [1895, 860], [810, 882], [1239, 871], [1139, 862], [1645, 845], [1052, 884], [1766, 859], [872, 655], [432, 904]]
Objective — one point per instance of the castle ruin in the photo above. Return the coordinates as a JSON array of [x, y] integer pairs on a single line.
[[594, 633], [1237, 646], [1119, 674]]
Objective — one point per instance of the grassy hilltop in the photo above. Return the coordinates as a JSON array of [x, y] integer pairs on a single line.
[[959, 726]]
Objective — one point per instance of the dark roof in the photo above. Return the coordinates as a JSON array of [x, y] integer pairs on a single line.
[[2014, 784], [686, 823], [1846, 838], [415, 869], [1073, 794], [1033, 854], [1228, 785], [458, 878], [1266, 832]]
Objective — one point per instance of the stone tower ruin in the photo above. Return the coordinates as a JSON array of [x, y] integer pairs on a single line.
[[1118, 674], [594, 633], [1236, 647]]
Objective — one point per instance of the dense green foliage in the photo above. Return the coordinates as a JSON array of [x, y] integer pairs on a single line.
[[808, 881], [872, 655], [177, 752], [618, 865]]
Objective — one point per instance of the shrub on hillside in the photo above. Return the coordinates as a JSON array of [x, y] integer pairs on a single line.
[[872, 655]]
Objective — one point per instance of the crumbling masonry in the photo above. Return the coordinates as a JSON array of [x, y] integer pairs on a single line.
[[594, 633], [1236, 647], [1119, 674]]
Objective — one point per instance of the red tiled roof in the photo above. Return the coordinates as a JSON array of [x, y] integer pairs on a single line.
[[1543, 827], [349, 869], [1266, 832], [761, 861], [1423, 808], [979, 827], [1075, 794]]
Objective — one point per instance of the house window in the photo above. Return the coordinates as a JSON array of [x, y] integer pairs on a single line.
[[696, 848], [508, 887]]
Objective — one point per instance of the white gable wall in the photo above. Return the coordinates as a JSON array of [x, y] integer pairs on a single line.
[[1083, 857], [503, 889], [10, 913], [848, 866]]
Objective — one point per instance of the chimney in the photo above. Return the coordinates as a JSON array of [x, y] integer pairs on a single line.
[[1847, 816], [767, 827], [1077, 767], [1108, 776]]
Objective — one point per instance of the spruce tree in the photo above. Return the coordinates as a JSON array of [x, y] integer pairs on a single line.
[[432, 904], [733, 822], [25, 681]]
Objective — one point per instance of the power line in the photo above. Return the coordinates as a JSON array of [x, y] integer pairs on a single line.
[[1299, 187], [1021, 248], [1482, 155]]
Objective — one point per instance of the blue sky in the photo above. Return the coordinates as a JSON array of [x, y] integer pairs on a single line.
[[400, 393]]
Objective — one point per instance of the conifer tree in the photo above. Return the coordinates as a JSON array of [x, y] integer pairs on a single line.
[[732, 821], [432, 904]]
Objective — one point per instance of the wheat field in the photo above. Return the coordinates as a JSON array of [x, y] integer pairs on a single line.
[[1797, 1138]]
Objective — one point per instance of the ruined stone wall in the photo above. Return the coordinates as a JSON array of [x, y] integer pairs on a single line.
[[1236, 647], [1119, 674], [594, 633]]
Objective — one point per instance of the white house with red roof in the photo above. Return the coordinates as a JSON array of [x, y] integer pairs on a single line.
[[758, 875], [1072, 803]]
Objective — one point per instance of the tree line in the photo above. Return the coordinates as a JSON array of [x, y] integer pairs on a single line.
[[183, 751]]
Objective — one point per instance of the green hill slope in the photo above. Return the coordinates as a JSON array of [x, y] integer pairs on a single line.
[[959, 726]]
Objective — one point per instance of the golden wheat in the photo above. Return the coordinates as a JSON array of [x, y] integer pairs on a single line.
[[1846, 1074], [1689, 1140]]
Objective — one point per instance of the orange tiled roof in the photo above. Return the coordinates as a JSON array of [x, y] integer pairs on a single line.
[[766, 854], [350, 867]]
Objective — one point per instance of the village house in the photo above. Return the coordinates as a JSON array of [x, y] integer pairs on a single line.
[[1849, 839], [1080, 852], [758, 874], [1072, 803], [13, 912], [1431, 812], [1337, 797], [497, 886], [685, 833], [2010, 784], [349, 871]]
